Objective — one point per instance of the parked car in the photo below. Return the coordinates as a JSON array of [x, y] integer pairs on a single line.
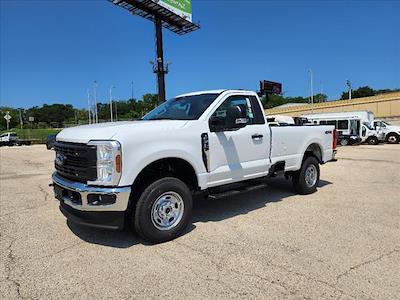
[[213, 143], [51, 139], [11, 139]]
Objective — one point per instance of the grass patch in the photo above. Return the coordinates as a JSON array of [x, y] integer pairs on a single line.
[[38, 135]]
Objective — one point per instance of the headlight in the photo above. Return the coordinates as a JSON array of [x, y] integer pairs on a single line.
[[108, 162]]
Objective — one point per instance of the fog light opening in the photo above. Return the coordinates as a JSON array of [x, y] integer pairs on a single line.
[[100, 199]]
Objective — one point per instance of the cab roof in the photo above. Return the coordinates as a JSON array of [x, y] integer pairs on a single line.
[[213, 92]]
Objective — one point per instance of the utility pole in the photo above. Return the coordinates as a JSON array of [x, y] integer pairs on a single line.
[[111, 109], [160, 61], [131, 89], [95, 102], [349, 86], [312, 91]]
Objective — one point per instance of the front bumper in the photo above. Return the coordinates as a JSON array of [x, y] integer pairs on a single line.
[[77, 204]]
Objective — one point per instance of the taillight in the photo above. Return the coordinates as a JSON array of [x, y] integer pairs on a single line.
[[334, 142]]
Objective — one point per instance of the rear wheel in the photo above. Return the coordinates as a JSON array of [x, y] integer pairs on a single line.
[[392, 138], [373, 140], [163, 210], [305, 181], [344, 142]]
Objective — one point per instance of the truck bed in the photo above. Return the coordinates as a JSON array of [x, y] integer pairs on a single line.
[[289, 143]]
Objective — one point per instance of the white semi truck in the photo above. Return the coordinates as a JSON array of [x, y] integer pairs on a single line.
[[144, 173]]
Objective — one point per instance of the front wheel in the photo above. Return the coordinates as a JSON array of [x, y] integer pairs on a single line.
[[392, 138], [163, 210], [373, 140], [344, 142], [305, 181]]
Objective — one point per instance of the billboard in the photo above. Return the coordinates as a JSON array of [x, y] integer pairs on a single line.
[[182, 8], [270, 87]]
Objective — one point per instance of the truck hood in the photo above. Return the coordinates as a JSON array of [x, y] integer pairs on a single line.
[[107, 131], [393, 128]]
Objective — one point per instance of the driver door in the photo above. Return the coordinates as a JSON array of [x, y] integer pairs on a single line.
[[243, 153]]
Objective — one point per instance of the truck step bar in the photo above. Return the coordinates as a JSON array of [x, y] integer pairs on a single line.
[[236, 191]]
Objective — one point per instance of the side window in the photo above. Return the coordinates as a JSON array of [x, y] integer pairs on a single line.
[[343, 124], [364, 131], [258, 113], [242, 101], [332, 122]]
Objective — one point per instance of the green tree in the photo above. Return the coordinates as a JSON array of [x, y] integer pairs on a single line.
[[364, 91]]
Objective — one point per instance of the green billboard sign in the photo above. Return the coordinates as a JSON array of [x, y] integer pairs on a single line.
[[182, 8]]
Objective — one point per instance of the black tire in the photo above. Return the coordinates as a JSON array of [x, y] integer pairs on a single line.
[[392, 138], [373, 140], [344, 142], [143, 220], [299, 178]]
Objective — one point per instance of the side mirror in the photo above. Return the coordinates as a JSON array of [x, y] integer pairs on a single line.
[[236, 117], [216, 124]]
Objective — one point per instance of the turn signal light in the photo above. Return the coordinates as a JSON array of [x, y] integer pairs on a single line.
[[118, 163]]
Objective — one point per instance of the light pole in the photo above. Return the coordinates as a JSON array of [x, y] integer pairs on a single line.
[[95, 102], [132, 90], [89, 108], [312, 91], [321, 97], [349, 86], [116, 110], [111, 109]]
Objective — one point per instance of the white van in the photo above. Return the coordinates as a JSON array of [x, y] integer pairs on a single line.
[[348, 126]]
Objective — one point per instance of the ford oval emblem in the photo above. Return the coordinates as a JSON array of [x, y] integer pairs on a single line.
[[60, 159]]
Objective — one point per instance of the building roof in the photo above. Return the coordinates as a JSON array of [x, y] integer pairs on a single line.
[[290, 105]]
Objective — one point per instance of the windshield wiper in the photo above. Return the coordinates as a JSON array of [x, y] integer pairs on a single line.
[[161, 118]]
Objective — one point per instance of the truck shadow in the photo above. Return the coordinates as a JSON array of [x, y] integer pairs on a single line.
[[204, 210]]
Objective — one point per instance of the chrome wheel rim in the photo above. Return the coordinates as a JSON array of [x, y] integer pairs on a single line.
[[392, 139], [311, 175], [167, 211]]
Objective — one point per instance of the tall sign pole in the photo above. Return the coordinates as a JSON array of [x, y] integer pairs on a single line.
[[160, 60], [174, 15], [8, 118]]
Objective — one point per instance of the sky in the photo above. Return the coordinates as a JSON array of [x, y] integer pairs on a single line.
[[52, 51]]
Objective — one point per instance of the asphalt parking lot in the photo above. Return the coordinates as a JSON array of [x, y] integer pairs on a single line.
[[341, 242]]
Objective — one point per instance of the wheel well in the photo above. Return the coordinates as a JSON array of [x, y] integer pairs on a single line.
[[314, 150], [173, 167]]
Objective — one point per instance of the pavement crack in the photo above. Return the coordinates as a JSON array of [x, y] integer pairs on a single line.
[[9, 267], [60, 251], [46, 198], [357, 266]]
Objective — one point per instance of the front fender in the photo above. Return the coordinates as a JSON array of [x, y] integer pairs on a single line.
[[135, 159]]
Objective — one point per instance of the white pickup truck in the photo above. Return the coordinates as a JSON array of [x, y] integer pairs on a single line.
[[144, 173]]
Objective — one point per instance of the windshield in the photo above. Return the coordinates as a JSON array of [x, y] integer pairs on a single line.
[[368, 126], [386, 123], [182, 108]]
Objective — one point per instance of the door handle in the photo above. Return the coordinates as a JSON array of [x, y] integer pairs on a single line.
[[256, 136]]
